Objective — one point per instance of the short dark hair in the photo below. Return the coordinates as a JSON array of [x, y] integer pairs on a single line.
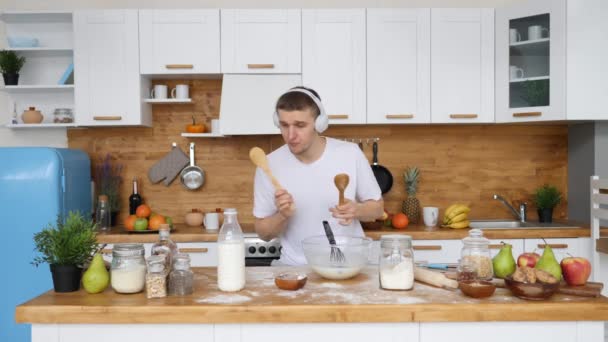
[[296, 100]]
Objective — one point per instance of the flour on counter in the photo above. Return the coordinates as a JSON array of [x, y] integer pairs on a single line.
[[225, 299]]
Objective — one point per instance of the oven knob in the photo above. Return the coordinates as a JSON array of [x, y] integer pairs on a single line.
[[251, 249], [262, 249], [272, 249]]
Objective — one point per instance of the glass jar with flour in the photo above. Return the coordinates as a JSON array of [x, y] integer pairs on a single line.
[[396, 266], [231, 254], [128, 273]]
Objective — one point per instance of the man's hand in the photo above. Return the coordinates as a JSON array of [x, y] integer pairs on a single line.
[[284, 203], [346, 212]]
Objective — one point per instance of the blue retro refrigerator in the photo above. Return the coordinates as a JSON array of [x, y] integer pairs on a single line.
[[36, 185]]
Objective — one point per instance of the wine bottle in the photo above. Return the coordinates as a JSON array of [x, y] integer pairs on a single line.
[[135, 199]]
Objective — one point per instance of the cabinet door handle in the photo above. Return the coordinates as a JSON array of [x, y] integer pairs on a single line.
[[427, 248], [526, 114], [463, 116], [106, 251], [179, 66], [260, 66], [399, 116], [107, 118], [194, 250], [338, 116], [553, 245], [496, 246]]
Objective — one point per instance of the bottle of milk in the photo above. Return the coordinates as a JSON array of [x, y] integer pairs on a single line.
[[231, 254]]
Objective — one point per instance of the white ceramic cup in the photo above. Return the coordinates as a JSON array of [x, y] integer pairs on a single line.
[[180, 91], [536, 32], [159, 92], [212, 221], [514, 36], [430, 216], [516, 72], [215, 126]]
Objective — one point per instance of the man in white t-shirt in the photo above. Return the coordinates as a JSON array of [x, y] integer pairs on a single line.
[[305, 167]]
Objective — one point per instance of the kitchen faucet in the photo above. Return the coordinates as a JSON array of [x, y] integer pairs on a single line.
[[521, 215]]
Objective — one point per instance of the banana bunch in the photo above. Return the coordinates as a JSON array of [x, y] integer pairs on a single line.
[[455, 216]]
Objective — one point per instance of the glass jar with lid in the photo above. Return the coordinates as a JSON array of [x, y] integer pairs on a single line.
[[165, 246], [128, 273], [475, 260], [63, 115], [181, 278], [396, 266], [156, 278]]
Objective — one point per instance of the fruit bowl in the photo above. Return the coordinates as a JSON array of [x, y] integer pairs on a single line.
[[477, 288], [317, 251], [531, 291]]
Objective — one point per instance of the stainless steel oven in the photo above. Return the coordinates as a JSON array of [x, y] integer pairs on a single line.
[[259, 252]]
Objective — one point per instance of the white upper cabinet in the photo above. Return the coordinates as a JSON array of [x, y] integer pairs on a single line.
[[261, 41], [587, 58], [179, 41], [108, 88], [462, 65], [531, 61], [398, 65], [334, 54]]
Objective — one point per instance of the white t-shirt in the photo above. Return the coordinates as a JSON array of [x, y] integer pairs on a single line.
[[314, 192]]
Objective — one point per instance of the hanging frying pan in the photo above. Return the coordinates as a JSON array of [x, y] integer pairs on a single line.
[[192, 177], [382, 174]]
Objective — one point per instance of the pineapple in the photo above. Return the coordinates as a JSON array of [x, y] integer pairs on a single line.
[[411, 205]]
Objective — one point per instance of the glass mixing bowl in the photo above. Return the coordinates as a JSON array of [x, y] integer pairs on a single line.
[[355, 250]]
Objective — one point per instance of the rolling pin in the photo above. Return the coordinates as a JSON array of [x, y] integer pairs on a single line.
[[434, 278]]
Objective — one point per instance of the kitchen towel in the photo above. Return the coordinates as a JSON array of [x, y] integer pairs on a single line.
[[169, 166]]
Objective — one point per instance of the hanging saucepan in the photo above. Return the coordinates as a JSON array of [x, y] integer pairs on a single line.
[[192, 177], [382, 174]]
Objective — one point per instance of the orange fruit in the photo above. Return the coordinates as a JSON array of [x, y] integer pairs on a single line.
[[155, 221], [143, 211], [130, 222], [400, 221]]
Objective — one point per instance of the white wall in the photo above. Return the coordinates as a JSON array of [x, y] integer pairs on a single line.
[[57, 136]]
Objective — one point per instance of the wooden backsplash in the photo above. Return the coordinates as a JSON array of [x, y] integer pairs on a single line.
[[459, 163]]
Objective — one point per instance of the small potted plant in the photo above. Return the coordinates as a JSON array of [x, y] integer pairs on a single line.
[[107, 182], [66, 247], [10, 65], [546, 198]]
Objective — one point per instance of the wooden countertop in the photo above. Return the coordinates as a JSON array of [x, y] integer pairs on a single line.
[[183, 233], [355, 300]]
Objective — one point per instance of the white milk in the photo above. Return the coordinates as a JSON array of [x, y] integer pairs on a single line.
[[231, 266]]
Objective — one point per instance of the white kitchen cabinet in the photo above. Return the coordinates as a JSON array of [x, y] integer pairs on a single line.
[[587, 53], [261, 41], [179, 41], [202, 254], [531, 65], [334, 61], [462, 65], [108, 87], [437, 251], [398, 65]]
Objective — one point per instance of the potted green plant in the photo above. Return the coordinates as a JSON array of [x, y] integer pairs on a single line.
[[10, 65], [66, 247], [546, 198], [108, 180]]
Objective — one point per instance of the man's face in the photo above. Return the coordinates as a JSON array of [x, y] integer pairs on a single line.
[[298, 129]]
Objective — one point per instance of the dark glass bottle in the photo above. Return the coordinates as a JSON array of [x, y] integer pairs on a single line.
[[135, 199]]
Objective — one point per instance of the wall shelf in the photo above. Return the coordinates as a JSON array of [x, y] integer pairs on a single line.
[[41, 125], [168, 101], [38, 88]]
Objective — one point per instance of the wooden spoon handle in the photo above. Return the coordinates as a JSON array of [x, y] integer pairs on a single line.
[[273, 179], [341, 201]]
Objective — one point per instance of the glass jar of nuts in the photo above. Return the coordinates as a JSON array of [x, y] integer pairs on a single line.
[[476, 260]]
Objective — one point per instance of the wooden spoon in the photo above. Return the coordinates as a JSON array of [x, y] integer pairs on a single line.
[[258, 157], [341, 181]]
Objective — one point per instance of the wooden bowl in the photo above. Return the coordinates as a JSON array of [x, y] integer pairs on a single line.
[[531, 291], [290, 281], [477, 288]]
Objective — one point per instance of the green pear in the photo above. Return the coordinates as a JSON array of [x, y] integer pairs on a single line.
[[504, 263], [96, 278], [548, 263]]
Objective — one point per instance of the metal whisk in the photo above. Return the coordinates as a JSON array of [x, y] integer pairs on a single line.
[[336, 255]]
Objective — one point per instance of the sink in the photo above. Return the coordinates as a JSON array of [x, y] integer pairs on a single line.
[[512, 224]]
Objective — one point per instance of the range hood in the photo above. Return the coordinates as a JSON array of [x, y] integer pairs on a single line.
[[248, 101]]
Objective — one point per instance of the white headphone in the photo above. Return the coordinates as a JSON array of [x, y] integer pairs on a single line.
[[321, 122]]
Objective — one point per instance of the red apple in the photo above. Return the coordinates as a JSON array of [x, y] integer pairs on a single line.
[[576, 270], [527, 259]]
